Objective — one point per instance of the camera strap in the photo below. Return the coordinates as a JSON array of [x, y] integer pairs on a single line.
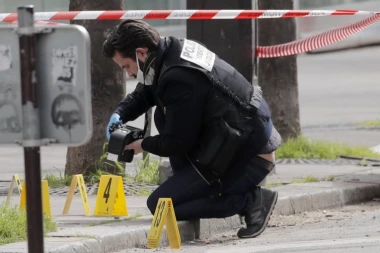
[[146, 124]]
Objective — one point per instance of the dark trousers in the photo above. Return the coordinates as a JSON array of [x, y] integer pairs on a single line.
[[193, 197]]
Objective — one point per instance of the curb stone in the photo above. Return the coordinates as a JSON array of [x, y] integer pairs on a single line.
[[124, 240], [326, 199], [189, 231]]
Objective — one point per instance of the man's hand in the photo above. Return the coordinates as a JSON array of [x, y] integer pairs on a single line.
[[115, 118], [136, 146]]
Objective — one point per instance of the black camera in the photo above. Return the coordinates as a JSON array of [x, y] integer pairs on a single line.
[[122, 135]]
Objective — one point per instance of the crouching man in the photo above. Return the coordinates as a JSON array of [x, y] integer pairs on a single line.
[[214, 126]]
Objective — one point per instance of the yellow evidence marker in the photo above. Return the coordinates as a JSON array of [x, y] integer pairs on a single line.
[[110, 200], [77, 181], [15, 180], [164, 214], [45, 197]]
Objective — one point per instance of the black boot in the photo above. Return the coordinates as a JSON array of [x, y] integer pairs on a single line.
[[258, 216]]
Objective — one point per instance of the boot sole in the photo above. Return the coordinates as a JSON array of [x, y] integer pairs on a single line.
[[266, 219]]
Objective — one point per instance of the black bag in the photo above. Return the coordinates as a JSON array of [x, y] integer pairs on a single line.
[[218, 145]]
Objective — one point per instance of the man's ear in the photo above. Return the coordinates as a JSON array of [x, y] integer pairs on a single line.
[[142, 53]]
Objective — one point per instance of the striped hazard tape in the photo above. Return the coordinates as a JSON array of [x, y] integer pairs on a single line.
[[38, 22], [317, 41], [183, 14], [291, 48]]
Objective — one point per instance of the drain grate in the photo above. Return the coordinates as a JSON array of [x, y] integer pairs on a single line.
[[318, 161], [143, 189], [130, 189]]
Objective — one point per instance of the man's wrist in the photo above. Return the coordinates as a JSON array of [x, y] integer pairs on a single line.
[[146, 144], [143, 144], [120, 113]]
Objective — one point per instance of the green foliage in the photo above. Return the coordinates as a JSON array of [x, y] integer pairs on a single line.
[[370, 123], [94, 177], [135, 216], [308, 179], [49, 225], [13, 225], [306, 148], [58, 181], [330, 178], [117, 219], [271, 185], [103, 164], [148, 171], [144, 191], [104, 167]]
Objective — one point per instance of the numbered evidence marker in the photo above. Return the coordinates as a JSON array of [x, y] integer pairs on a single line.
[[15, 180], [45, 197], [77, 181], [164, 214], [110, 200]]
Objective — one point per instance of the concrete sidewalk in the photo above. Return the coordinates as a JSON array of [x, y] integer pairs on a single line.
[[77, 233]]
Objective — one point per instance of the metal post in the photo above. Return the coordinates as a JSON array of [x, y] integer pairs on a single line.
[[31, 129]]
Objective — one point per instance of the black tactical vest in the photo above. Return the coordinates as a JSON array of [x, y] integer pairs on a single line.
[[232, 113]]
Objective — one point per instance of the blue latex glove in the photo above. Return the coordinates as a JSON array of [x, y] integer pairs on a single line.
[[115, 118]]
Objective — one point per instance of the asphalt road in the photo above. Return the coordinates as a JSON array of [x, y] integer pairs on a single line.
[[349, 229], [340, 87], [338, 90]]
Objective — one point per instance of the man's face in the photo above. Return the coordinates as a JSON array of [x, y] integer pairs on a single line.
[[130, 64]]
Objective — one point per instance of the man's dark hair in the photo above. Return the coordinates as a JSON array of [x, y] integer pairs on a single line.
[[129, 35]]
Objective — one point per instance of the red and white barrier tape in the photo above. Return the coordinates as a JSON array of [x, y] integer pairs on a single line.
[[317, 41], [291, 48], [183, 14], [43, 23]]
